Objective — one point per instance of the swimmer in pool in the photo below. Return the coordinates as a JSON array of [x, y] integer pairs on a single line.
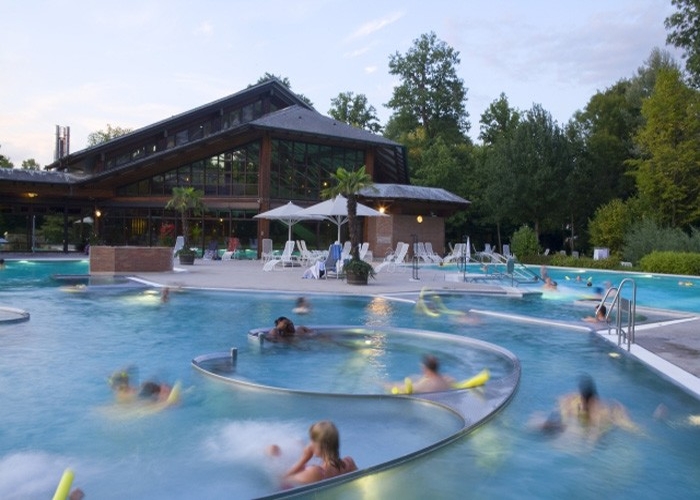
[[587, 412], [600, 315], [302, 306], [325, 445], [284, 329], [124, 392], [431, 379]]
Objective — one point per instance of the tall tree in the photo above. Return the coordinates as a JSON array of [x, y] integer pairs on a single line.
[[5, 162], [31, 164], [684, 27], [498, 120], [100, 136], [355, 110], [348, 183], [284, 81], [430, 96], [539, 156], [668, 173]]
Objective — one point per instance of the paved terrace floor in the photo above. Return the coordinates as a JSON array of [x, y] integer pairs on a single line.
[[667, 341]]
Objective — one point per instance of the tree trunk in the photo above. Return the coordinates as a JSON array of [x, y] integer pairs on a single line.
[[353, 226]]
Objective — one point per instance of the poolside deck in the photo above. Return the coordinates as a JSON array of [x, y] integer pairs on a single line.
[[667, 341]]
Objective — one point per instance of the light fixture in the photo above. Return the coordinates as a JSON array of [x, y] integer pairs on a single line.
[[98, 213], [382, 210], [419, 219], [32, 195]]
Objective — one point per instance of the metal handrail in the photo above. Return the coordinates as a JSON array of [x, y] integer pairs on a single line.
[[624, 307]]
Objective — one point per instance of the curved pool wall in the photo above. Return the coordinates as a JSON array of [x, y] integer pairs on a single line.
[[472, 406]]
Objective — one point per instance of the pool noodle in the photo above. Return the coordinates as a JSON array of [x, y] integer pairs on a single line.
[[64, 485]]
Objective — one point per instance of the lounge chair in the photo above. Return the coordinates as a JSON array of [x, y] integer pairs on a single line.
[[346, 250], [432, 255], [333, 265], [363, 250], [212, 251], [458, 253], [267, 253], [284, 260], [179, 245], [393, 258]]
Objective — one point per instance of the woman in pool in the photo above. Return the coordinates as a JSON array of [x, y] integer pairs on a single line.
[[325, 444], [285, 330], [600, 313]]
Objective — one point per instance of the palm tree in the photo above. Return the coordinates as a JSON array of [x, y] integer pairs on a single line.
[[349, 182], [187, 201]]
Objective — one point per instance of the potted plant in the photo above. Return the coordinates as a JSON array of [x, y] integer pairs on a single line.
[[348, 183], [187, 201]]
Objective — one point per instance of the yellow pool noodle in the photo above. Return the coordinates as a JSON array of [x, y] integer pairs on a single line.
[[64, 485]]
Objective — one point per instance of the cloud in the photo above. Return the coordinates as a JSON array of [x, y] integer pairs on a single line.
[[370, 69], [375, 25], [204, 29]]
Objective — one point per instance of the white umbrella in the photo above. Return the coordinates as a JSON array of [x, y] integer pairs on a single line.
[[336, 211], [289, 214]]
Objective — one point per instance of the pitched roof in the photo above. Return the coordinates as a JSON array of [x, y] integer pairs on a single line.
[[407, 192], [303, 120]]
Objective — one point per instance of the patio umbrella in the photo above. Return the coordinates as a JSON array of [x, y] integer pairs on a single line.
[[289, 214], [336, 211]]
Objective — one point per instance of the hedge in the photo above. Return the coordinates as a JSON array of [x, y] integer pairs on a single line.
[[671, 263]]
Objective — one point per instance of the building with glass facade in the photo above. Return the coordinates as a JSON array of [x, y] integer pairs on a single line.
[[248, 153]]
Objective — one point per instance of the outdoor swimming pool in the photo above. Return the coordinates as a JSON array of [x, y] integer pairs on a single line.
[[57, 409]]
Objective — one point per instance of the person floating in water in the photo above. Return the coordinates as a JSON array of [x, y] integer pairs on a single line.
[[325, 445], [600, 315], [302, 306], [431, 379], [586, 412], [284, 329], [124, 392]]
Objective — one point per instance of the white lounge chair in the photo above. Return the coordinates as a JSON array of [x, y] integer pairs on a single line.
[[363, 250], [457, 254], [267, 253], [393, 258], [284, 260], [179, 245], [431, 253]]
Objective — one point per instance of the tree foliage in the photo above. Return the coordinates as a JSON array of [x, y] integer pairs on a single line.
[[684, 27], [610, 224], [284, 81], [187, 201], [355, 110], [524, 242], [430, 95], [348, 183], [31, 164], [499, 120], [668, 173], [101, 136], [5, 162]]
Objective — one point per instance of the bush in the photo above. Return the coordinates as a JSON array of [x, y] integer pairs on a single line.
[[585, 262], [524, 242], [647, 236], [671, 263]]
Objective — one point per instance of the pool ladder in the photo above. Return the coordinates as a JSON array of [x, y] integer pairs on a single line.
[[626, 309]]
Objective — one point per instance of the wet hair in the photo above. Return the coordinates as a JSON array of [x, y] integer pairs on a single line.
[[149, 390], [587, 389], [326, 435], [289, 330], [431, 363], [602, 309], [119, 380]]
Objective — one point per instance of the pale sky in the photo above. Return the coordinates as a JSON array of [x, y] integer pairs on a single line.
[[84, 64]]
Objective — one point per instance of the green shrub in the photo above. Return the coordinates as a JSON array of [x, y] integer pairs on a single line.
[[524, 242], [671, 263], [584, 262], [647, 236]]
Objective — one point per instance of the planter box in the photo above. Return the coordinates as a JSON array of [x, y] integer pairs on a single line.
[[124, 260]]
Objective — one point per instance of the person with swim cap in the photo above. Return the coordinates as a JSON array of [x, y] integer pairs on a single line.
[[325, 445]]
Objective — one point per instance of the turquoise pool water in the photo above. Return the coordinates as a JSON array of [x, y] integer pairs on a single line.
[[57, 409]]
